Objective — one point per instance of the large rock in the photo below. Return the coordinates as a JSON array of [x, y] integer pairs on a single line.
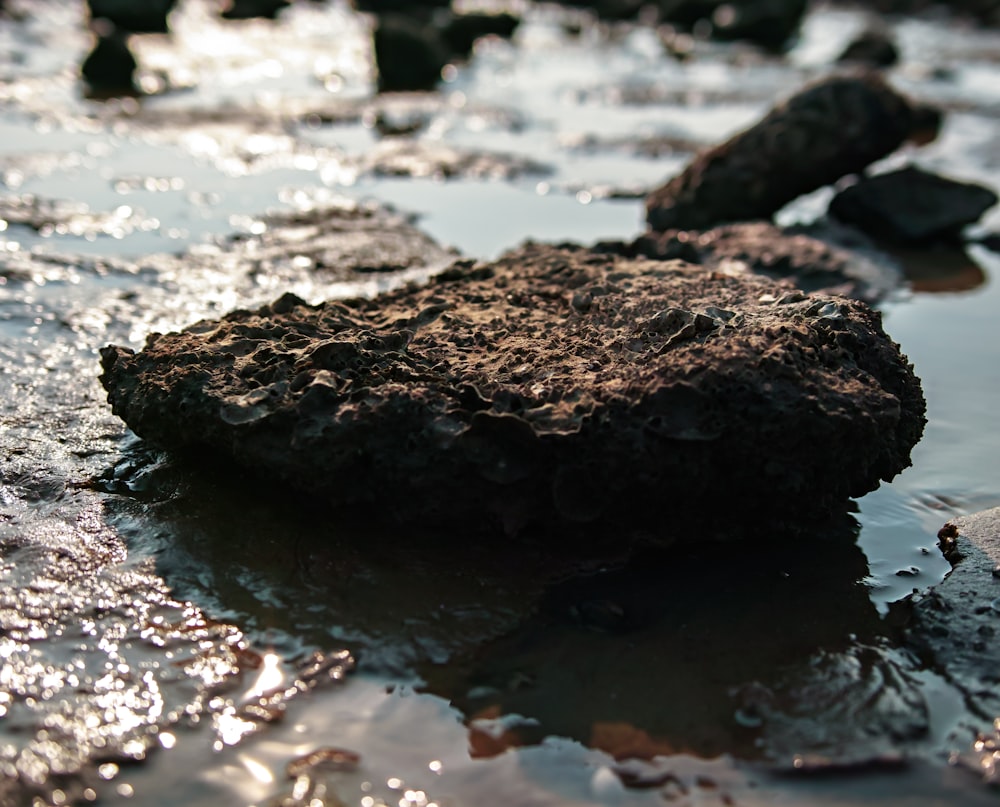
[[911, 205], [832, 128], [556, 383]]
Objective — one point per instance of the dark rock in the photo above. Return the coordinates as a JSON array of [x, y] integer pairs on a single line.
[[768, 23], [409, 54], [402, 6], [556, 383], [109, 69], [250, 9], [609, 9], [835, 127], [412, 48], [143, 17], [873, 47], [912, 205], [812, 264], [461, 31], [955, 626], [984, 11]]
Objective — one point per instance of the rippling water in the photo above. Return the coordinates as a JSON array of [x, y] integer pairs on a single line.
[[167, 636]]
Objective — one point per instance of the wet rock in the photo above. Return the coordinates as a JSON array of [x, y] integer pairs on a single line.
[[461, 31], [954, 627], [985, 11], [609, 9], [814, 265], [832, 128], [109, 69], [338, 242], [412, 48], [249, 9], [146, 17], [409, 53], [556, 384], [873, 47], [768, 23], [911, 205]]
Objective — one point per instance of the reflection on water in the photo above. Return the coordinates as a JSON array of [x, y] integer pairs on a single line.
[[148, 608]]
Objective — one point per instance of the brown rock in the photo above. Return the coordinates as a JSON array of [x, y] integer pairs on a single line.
[[556, 383], [835, 127], [813, 264]]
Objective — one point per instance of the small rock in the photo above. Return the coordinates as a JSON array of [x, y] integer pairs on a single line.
[[251, 9], [488, 396], [409, 54], [835, 127], [145, 17], [873, 47], [109, 69], [911, 205]]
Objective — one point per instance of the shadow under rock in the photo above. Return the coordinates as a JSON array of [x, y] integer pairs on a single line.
[[760, 651], [757, 648]]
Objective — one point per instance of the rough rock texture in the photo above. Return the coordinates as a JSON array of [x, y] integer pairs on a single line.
[[556, 382], [814, 265], [911, 205], [832, 128]]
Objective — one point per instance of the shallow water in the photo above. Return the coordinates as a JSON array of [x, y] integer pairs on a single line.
[[154, 612]]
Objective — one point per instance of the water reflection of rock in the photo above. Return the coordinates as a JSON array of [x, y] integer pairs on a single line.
[[718, 640]]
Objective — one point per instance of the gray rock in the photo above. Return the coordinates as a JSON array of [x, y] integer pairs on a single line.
[[912, 205], [832, 128], [557, 384], [813, 264]]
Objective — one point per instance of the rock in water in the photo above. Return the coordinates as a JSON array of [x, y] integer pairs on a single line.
[[835, 127], [911, 205], [556, 384]]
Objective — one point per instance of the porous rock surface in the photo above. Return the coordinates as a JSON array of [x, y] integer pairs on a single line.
[[832, 128], [557, 384], [812, 263]]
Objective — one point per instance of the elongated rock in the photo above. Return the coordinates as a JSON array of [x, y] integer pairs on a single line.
[[832, 128], [557, 383]]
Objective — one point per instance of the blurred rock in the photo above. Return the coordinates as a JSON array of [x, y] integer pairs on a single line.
[[412, 48], [834, 127], [142, 17], [812, 264], [557, 384], [461, 31], [873, 47], [768, 23], [912, 205], [249, 9], [109, 69], [409, 54]]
